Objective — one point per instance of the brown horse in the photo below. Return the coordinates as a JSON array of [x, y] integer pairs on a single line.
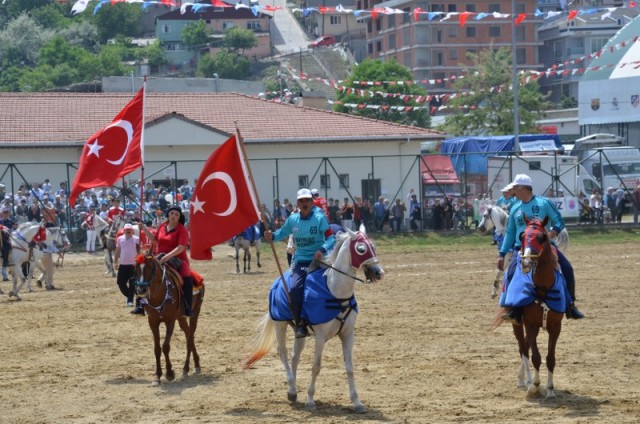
[[539, 256], [159, 288]]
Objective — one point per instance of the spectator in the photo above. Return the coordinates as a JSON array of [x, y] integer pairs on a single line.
[[346, 213], [397, 215]]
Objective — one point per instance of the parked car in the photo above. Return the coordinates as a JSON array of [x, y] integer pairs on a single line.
[[325, 40]]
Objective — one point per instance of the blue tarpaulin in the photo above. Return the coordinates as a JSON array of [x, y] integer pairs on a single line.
[[469, 154]]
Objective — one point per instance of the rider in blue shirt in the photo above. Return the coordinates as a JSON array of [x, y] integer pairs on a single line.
[[312, 238], [539, 207]]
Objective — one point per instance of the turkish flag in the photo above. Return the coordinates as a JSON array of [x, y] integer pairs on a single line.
[[223, 203], [112, 152]]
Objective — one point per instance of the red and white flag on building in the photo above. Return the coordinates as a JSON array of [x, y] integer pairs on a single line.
[[223, 203], [112, 152]]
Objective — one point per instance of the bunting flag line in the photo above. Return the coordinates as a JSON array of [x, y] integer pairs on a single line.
[[223, 203], [112, 152]]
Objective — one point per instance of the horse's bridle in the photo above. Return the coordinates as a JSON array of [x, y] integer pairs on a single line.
[[167, 294]]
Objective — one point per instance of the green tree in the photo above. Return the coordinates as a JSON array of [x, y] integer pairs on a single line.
[[154, 54], [388, 72], [206, 67], [492, 111], [21, 41], [238, 40], [195, 34], [118, 19], [225, 64], [51, 16], [568, 102], [83, 34]]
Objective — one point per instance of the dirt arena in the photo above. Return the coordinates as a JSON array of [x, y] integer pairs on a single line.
[[424, 351]]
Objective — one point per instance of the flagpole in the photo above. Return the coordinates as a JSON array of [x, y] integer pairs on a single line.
[[144, 95], [262, 216]]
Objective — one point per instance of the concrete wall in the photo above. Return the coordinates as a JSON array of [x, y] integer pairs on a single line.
[[181, 85]]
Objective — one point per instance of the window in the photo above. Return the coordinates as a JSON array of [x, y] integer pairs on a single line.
[[520, 8], [407, 60], [378, 25], [392, 41], [370, 48], [472, 52], [453, 54], [452, 31], [437, 7], [521, 56], [378, 46], [325, 181], [438, 36], [452, 8], [166, 28], [335, 20], [494, 7], [406, 16], [438, 58], [406, 37], [534, 165], [471, 31], [470, 7], [228, 25], [254, 25], [597, 44], [520, 33], [303, 181], [344, 180], [391, 21], [494, 31]]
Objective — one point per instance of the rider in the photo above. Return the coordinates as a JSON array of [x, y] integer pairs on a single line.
[[115, 210], [534, 207], [6, 227], [320, 202], [313, 238]]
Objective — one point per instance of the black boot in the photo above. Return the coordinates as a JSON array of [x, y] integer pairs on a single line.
[[187, 291], [301, 330], [138, 310], [573, 312], [513, 316]]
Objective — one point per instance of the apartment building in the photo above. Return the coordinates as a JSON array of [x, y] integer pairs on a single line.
[[437, 49]]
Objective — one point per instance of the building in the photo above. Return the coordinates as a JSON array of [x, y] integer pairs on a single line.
[[169, 29], [609, 91], [288, 146], [567, 44], [343, 26], [437, 49]]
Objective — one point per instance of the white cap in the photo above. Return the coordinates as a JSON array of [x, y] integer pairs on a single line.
[[507, 187], [128, 227], [523, 180], [304, 193], [314, 191]]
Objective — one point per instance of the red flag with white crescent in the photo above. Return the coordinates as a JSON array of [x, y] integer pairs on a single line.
[[112, 152], [223, 203]]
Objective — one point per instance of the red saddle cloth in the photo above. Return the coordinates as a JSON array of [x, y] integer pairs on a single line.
[[198, 280]]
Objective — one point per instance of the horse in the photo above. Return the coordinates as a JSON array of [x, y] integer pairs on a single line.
[[21, 252], [539, 260], [496, 217], [246, 239], [352, 252], [159, 289], [109, 240], [56, 242]]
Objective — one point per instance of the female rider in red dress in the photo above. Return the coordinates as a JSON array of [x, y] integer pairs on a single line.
[[171, 239]]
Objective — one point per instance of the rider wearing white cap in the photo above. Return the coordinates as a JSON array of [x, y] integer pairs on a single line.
[[313, 238], [534, 207]]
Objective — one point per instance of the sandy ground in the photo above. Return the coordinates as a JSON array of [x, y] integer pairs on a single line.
[[424, 351]]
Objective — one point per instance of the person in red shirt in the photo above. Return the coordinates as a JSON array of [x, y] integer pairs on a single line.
[[320, 202], [88, 225], [115, 210], [172, 238]]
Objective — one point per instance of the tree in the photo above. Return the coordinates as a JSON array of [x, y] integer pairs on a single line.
[[487, 106], [21, 41], [195, 34], [154, 54], [119, 18], [237, 40], [388, 73], [230, 65]]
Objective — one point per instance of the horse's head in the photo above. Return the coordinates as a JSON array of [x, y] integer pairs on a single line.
[[147, 269], [363, 254], [486, 223], [59, 237], [535, 241]]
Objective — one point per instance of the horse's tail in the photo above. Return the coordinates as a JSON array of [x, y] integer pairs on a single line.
[[498, 319], [263, 342], [563, 240]]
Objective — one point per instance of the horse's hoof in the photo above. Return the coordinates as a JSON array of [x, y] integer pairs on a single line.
[[360, 409], [310, 406], [39, 283], [171, 375], [550, 394], [155, 383], [197, 370], [293, 397], [30, 290]]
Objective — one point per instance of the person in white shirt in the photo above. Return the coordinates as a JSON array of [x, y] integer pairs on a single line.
[[127, 248]]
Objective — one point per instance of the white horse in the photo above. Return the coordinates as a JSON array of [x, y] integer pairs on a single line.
[[353, 251], [21, 253], [496, 217], [243, 241], [56, 242]]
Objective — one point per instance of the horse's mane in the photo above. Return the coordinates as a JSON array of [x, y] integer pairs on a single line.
[[26, 225], [340, 239]]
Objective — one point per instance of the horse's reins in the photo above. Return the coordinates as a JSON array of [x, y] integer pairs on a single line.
[[167, 293], [327, 265]]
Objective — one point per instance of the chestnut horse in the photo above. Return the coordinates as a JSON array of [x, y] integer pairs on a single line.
[[159, 289], [540, 259]]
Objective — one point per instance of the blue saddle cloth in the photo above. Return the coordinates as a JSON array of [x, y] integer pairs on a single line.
[[521, 291], [319, 305], [252, 234]]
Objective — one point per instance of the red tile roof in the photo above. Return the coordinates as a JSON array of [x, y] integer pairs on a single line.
[[50, 119]]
